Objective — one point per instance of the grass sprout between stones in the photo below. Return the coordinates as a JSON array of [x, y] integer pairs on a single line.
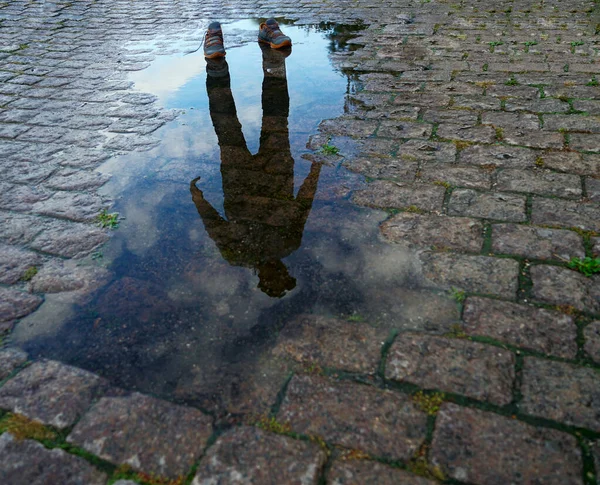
[[588, 266], [21, 427], [29, 273], [329, 149], [108, 220]]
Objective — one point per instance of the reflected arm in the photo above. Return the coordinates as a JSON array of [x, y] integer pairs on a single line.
[[207, 212]]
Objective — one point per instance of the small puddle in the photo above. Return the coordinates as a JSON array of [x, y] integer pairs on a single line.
[[229, 234]]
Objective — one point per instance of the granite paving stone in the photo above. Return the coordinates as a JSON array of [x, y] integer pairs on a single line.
[[536, 242], [29, 462], [250, 455], [540, 182], [592, 187], [561, 392], [78, 207], [467, 177], [384, 168], [16, 304], [378, 422], [423, 230], [477, 274], [52, 393], [566, 213], [66, 275], [359, 472], [549, 283], [427, 151], [382, 193], [585, 142], [595, 246], [14, 262], [144, 432], [479, 447], [459, 366], [488, 205], [11, 359], [547, 331], [479, 134], [329, 342], [69, 239], [404, 129], [498, 156], [591, 334]]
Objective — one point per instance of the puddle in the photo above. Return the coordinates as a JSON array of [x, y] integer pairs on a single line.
[[229, 234]]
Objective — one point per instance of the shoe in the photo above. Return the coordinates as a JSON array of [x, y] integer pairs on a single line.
[[213, 41], [269, 33]]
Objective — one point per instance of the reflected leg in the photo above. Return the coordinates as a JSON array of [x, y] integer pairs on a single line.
[[274, 149], [222, 111]]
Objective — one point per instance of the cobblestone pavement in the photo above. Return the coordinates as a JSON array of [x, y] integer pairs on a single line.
[[478, 128]]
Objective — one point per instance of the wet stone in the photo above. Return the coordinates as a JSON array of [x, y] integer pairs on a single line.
[[388, 168], [488, 205], [389, 194], [547, 331], [427, 151], [380, 423], [60, 275], [70, 239], [144, 432], [425, 230], [348, 127], [16, 304], [404, 129], [561, 392], [477, 274], [479, 134], [536, 242], [251, 455], [30, 462], [71, 179], [328, 342], [591, 334], [361, 472], [19, 228], [498, 156], [541, 183], [479, 447], [468, 177], [472, 369], [14, 262], [585, 142], [550, 282], [592, 187], [52, 393], [10, 359], [79, 207], [566, 213], [595, 246]]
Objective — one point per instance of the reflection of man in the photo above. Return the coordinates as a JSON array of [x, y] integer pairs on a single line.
[[264, 221]]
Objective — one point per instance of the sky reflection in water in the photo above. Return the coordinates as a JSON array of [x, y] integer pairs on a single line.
[[226, 237]]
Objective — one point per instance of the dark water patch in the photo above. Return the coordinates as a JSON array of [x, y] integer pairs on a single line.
[[229, 234]]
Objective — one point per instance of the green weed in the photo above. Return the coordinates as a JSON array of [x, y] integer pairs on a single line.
[[21, 427], [329, 149], [588, 266], [458, 295], [29, 273], [105, 219]]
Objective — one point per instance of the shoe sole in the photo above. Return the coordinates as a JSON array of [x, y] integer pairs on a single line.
[[215, 55], [286, 43]]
